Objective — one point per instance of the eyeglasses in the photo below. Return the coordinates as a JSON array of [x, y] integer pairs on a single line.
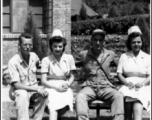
[[27, 45]]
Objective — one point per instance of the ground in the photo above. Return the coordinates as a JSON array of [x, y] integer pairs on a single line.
[[8, 110]]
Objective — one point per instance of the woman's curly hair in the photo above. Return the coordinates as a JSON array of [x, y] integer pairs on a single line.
[[57, 39], [131, 37]]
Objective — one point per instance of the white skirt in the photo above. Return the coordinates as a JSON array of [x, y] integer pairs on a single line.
[[143, 94], [58, 100]]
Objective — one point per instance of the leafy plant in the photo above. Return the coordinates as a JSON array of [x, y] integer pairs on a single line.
[[141, 22], [136, 9], [39, 47], [83, 14], [113, 12], [118, 25]]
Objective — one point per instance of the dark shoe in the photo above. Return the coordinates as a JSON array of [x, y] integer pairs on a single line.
[[119, 117]]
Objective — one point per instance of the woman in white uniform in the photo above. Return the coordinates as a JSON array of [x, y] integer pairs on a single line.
[[134, 73], [57, 76]]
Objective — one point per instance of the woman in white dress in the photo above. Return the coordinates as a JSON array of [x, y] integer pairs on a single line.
[[57, 76], [134, 73]]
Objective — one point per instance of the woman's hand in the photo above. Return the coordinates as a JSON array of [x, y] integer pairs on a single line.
[[63, 87], [130, 85], [139, 85]]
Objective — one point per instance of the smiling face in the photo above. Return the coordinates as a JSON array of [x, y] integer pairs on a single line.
[[97, 42], [26, 45], [57, 48], [136, 44]]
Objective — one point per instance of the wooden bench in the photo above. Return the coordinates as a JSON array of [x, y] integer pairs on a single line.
[[98, 105]]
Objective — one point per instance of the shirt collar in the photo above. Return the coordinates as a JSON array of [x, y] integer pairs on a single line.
[[105, 52], [20, 58], [53, 59], [140, 55]]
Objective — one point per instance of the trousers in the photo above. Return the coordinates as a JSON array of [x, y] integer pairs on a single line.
[[107, 94], [22, 101]]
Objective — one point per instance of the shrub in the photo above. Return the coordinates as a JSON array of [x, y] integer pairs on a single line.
[[38, 46], [118, 25], [116, 44], [83, 14], [113, 12], [136, 9], [141, 22]]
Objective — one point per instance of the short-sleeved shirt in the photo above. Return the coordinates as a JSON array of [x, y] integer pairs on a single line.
[[21, 72], [128, 63], [55, 69], [94, 76]]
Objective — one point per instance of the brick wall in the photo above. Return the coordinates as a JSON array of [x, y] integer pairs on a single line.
[[62, 19], [9, 49]]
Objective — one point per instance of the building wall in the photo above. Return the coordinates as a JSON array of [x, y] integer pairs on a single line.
[[58, 15], [6, 16], [62, 19], [10, 23], [9, 49]]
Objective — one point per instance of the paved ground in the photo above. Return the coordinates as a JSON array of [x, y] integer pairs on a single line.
[[5, 95], [8, 110]]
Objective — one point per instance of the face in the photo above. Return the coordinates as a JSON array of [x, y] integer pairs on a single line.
[[57, 48], [26, 46], [97, 42], [136, 44]]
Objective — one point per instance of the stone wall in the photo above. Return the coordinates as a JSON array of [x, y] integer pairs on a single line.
[[9, 49], [62, 19]]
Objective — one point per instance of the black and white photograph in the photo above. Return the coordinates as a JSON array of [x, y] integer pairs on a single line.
[[75, 59]]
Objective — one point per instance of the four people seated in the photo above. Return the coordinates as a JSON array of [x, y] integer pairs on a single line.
[[57, 77]]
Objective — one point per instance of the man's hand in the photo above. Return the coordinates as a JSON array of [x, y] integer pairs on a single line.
[[43, 92], [130, 85]]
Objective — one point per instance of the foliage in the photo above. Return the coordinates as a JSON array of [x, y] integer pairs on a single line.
[[141, 22], [93, 4], [115, 43], [113, 12], [136, 9], [102, 6], [83, 14], [38, 45], [117, 25]]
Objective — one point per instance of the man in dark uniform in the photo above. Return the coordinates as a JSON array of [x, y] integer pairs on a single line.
[[96, 67]]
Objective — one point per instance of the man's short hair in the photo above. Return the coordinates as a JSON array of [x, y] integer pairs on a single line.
[[25, 35]]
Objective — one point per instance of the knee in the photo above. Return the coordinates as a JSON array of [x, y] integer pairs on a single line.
[[21, 98], [22, 94], [137, 107], [80, 97], [118, 95], [40, 98]]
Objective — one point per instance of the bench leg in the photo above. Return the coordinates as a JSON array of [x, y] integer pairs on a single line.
[[98, 114]]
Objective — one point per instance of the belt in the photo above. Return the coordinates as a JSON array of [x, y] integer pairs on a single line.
[[131, 74], [56, 77]]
